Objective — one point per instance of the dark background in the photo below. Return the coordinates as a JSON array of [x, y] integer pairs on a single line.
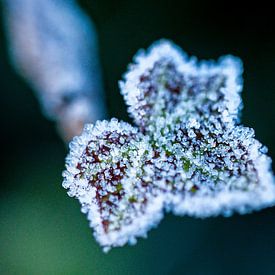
[[42, 230]]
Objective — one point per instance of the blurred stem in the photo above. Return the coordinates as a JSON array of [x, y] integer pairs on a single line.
[[53, 46]]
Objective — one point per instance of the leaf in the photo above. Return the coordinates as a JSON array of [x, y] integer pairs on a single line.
[[163, 82], [189, 156], [106, 172]]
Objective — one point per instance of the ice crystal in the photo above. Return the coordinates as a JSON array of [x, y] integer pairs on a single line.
[[188, 154]]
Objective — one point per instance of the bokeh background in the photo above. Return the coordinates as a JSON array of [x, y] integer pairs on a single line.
[[42, 230]]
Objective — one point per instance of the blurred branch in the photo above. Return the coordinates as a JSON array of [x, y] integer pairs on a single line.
[[53, 45]]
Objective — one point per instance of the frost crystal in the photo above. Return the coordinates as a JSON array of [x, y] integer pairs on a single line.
[[188, 155]]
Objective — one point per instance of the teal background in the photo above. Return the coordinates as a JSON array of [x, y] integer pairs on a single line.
[[42, 230]]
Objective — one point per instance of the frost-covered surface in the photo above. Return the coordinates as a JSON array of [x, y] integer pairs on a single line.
[[107, 171], [188, 153]]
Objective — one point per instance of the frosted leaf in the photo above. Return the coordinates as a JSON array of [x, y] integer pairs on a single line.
[[164, 80], [106, 172], [211, 170], [189, 155]]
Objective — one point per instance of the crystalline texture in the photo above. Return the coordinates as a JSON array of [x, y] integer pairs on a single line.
[[108, 176], [164, 82], [189, 155]]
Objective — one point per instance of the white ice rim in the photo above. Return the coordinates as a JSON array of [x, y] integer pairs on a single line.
[[144, 60]]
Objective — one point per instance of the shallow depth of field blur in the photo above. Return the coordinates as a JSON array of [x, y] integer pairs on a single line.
[[42, 230]]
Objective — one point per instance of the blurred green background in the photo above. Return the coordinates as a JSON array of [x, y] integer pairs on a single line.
[[42, 230]]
